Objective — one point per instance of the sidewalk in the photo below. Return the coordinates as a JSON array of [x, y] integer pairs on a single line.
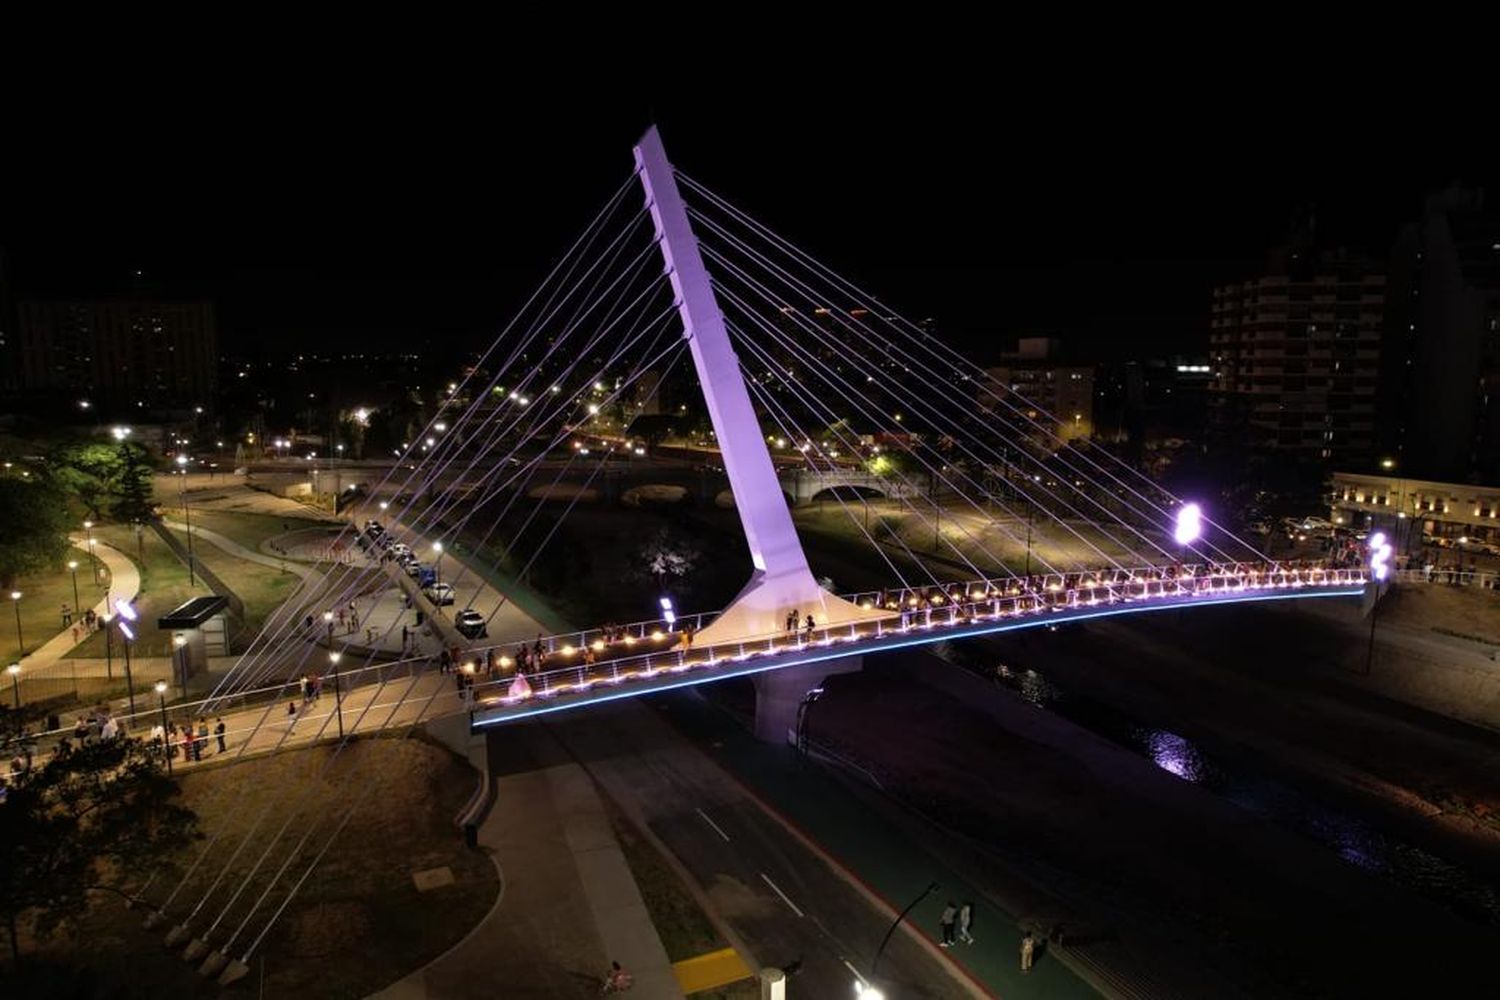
[[568, 904], [125, 584], [237, 550]]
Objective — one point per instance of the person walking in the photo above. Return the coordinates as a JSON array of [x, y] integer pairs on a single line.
[[1028, 951], [791, 621], [405, 635], [966, 922], [201, 743], [291, 716], [616, 980], [945, 924], [810, 626], [219, 733], [67, 615]]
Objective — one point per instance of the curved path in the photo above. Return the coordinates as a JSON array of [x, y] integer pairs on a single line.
[[124, 584]]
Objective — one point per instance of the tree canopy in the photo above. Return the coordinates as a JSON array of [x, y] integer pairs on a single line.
[[110, 480], [36, 524], [88, 820]]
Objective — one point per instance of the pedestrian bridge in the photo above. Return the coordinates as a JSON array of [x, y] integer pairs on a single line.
[[589, 667]]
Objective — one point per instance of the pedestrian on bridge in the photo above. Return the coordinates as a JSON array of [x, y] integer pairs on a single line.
[[966, 922], [1028, 951], [219, 732], [791, 621], [810, 626]]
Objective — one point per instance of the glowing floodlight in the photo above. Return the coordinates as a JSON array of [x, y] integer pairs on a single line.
[[126, 629], [1380, 556], [126, 611], [1189, 524], [668, 615]]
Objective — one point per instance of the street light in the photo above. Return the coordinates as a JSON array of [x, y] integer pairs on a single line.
[[187, 517], [89, 535], [932, 887], [109, 660], [166, 744], [15, 682], [338, 698], [127, 615], [15, 597], [73, 568], [1380, 568]]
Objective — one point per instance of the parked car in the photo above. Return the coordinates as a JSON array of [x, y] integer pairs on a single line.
[[400, 549], [439, 593], [414, 569], [471, 624]]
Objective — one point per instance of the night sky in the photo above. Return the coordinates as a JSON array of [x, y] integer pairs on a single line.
[[381, 224]]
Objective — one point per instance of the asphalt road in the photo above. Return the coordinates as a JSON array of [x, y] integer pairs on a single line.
[[780, 899]]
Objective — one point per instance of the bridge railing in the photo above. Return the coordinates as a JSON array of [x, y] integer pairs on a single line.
[[675, 653], [1484, 580]]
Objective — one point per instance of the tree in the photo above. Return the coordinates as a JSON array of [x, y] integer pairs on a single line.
[[36, 528], [81, 823], [667, 555], [108, 479]]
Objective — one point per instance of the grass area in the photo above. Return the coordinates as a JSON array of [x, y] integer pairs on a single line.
[[262, 588], [248, 530], [358, 923], [42, 597], [164, 585], [683, 927]]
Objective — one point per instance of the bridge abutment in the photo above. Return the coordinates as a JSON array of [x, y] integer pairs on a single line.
[[778, 693]]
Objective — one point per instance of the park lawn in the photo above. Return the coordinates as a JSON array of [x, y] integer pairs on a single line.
[[164, 586], [42, 597], [247, 529], [357, 925], [261, 588]]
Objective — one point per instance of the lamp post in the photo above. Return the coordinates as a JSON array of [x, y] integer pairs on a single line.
[[15, 598], [109, 659], [187, 517], [166, 745], [1380, 559], [15, 682], [338, 698], [437, 568], [932, 887], [73, 568], [88, 534], [127, 615]]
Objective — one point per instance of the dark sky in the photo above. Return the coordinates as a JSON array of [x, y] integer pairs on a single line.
[[390, 219]]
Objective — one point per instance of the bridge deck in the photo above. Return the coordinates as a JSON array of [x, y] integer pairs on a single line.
[[682, 665]]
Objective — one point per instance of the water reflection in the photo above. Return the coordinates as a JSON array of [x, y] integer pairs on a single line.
[[1358, 843], [1173, 753]]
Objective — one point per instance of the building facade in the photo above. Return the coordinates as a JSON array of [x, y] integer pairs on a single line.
[[1060, 396], [1453, 514], [1442, 420], [1295, 353], [120, 353]]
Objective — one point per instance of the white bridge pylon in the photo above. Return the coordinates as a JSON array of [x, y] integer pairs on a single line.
[[781, 581]]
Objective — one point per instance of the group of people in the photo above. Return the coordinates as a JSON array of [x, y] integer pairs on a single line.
[[794, 619], [87, 624], [956, 925], [191, 742]]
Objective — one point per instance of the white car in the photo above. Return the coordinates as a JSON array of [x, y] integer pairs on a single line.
[[439, 593]]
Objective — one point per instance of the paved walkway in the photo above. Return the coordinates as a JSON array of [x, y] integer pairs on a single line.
[[229, 545], [124, 584], [568, 904]]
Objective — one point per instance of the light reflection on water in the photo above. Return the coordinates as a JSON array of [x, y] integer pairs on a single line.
[[1347, 836]]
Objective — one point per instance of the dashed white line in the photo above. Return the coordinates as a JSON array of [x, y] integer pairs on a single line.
[[711, 823], [777, 889]]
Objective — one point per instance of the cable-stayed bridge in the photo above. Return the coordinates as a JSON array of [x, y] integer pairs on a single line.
[[797, 369]]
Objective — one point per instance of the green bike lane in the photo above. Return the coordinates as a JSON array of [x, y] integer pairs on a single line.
[[889, 862]]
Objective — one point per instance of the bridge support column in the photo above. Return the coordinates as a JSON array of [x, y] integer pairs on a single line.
[[778, 693]]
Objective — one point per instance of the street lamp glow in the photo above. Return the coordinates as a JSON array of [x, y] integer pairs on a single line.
[[182, 460], [864, 991], [384, 504], [440, 427], [13, 669], [333, 657], [161, 687], [437, 546], [72, 564], [120, 433], [15, 595], [1189, 524]]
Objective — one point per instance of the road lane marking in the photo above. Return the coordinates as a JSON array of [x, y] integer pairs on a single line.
[[714, 825], [777, 889]]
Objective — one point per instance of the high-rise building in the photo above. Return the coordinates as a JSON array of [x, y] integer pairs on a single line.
[[1061, 395], [120, 353], [1295, 352], [1443, 414]]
